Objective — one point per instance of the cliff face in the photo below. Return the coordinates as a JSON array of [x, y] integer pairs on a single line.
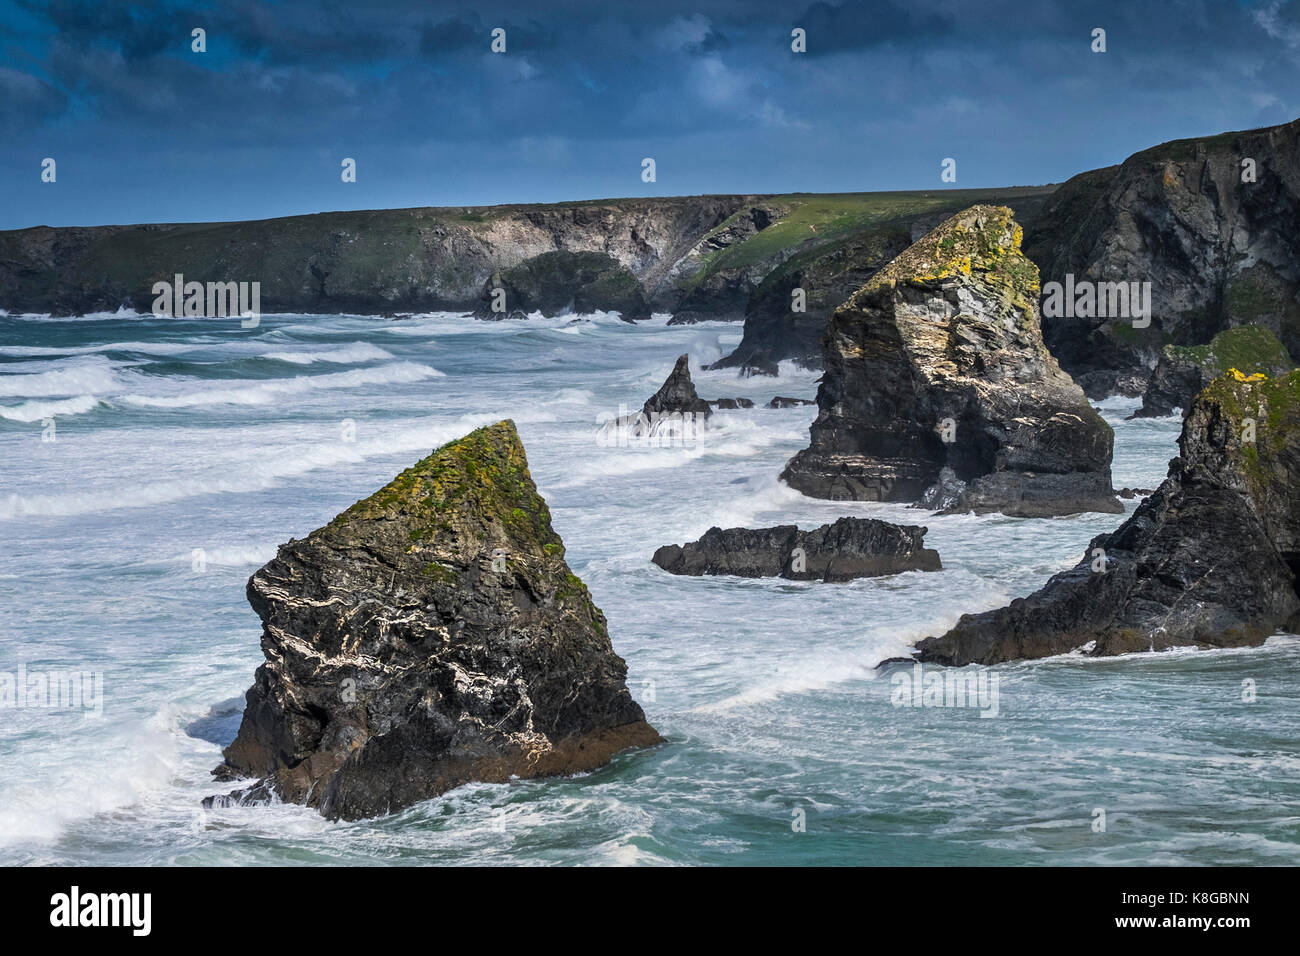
[[429, 636], [1218, 251], [827, 275], [1210, 559], [372, 262], [936, 375], [697, 257]]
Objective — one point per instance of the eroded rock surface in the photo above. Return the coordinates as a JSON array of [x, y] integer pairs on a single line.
[[1216, 238], [677, 395], [429, 636], [1183, 371], [938, 363]]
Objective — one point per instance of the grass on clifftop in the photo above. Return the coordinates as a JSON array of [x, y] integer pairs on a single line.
[[1274, 405], [815, 219]]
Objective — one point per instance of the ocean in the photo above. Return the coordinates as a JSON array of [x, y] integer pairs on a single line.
[[149, 466]]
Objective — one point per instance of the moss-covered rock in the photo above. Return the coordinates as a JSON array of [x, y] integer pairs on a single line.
[[1183, 371], [429, 636]]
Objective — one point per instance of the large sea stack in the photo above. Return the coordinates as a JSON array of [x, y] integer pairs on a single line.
[[1210, 559], [938, 387], [429, 636]]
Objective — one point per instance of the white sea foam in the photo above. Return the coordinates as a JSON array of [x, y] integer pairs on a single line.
[[131, 760], [255, 392], [147, 348], [352, 354], [35, 411], [86, 376]]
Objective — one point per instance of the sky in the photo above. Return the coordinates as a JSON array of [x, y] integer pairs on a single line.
[[142, 128]]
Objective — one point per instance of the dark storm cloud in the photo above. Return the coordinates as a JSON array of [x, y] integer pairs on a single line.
[[586, 89], [834, 28]]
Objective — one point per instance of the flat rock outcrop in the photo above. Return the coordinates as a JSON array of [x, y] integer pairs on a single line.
[[429, 636], [846, 549], [1210, 559], [936, 375], [1183, 370], [784, 401]]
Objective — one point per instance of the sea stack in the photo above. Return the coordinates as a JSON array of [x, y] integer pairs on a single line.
[[938, 388], [676, 396], [1209, 560], [429, 636]]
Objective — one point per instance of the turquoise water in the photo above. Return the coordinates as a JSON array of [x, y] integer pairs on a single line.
[[177, 436]]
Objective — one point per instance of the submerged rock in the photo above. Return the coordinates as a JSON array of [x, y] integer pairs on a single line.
[[429, 636], [1210, 559], [677, 396], [849, 548], [938, 362], [782, 401], [731, 403], [1183, 371]]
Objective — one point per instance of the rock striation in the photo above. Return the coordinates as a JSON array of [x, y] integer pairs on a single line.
[[1210, 559], [1183, 371], [429, 636], [849, 548], [937, 384]]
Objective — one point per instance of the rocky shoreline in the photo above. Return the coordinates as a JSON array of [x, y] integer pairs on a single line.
[[433, 635], [1210, 559]]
